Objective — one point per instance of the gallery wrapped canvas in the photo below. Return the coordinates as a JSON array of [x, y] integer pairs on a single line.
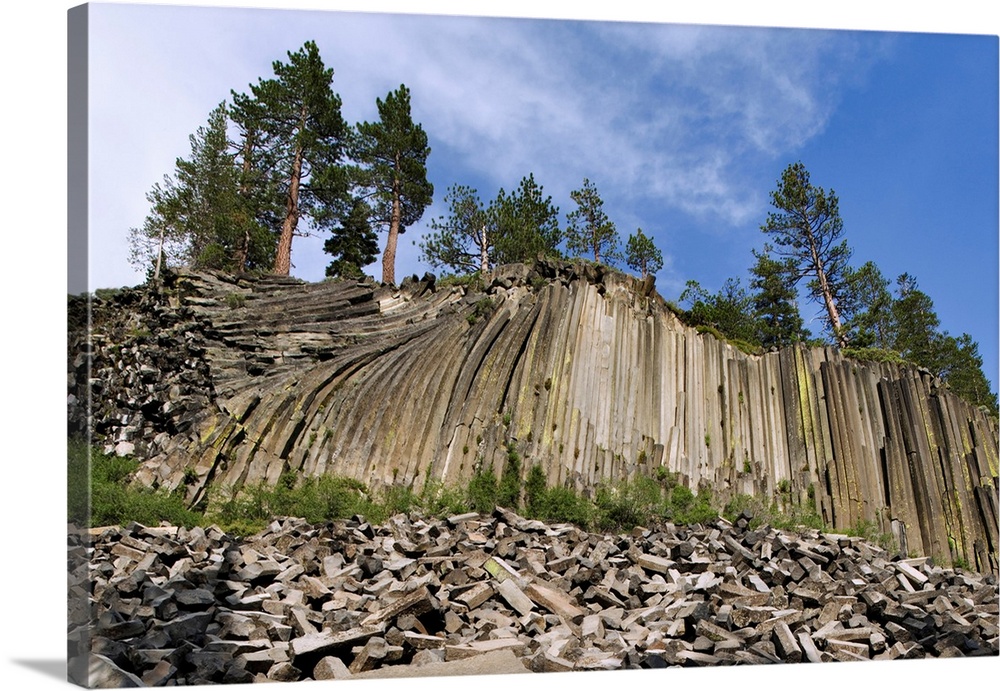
[[411, 345]]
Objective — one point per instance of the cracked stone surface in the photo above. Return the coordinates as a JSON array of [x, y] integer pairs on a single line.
[[226, 380]]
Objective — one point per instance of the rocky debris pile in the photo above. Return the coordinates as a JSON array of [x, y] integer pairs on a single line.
[[415, 596], [141, 368]]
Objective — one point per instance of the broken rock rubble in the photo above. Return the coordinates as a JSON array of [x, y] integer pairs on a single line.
[[347, 599]]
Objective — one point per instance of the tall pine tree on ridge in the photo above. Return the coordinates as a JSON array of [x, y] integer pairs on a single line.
[[393, 156], [298, 117]]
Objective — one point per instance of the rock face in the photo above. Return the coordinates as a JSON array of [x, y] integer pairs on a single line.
[[227, 380], [501, 594]]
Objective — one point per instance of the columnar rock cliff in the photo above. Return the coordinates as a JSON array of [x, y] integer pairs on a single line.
[[221, 380]]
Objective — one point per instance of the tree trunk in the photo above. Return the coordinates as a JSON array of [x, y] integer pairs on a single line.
[[831, 306], [283, 258], [484, 257], [243, 253], [159, 257], [389, 256]]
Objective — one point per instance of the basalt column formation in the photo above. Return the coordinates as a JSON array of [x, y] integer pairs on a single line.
[[224, 381]]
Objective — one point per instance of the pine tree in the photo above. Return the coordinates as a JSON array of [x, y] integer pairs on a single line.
[[872, 323], [513, 228], [963, 371], [354, 243], [161, 242], [297, 116], [463, 240], [260, 188], [589, 229], [526, 223], [642, 255], [773, 301], [198, 217], [807, 230], [916, 335], [730, 311], [393, 153]]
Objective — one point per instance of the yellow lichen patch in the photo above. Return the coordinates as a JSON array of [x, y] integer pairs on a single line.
[[208, 429]]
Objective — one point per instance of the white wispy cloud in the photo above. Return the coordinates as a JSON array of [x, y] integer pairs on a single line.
[[659, 116]]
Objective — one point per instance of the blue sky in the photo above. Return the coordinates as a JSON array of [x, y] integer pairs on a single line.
[[684, 129]]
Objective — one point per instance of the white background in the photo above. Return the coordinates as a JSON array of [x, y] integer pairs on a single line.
[[32, 388]]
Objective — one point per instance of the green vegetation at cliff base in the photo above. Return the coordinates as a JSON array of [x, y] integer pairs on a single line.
[[115, 499]]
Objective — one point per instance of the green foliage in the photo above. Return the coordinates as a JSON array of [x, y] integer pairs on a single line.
[[728, 314], [316, 499], [200, 216], [872, 322], [555, 504], [776, 313], [235, 300], [917, 324], [869, 531], [139, 333], [563, 505], [526, 224], [918, 339], [806, 228], [353, 243], [589, 230], [515, 227], [78, 482], [963, 371], [745, 347], [644, 501], [473, 281], [106, 293], [483, 308], [393, 156], [711, 330], [113, 499], [874, 355], [699, 509], [769, 513], [393, 499], [438, 499], [625, 505], [666, 477], [462, 241], [294, 121], [509, 490], [483, 491], [642, 255], [535, 492]]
